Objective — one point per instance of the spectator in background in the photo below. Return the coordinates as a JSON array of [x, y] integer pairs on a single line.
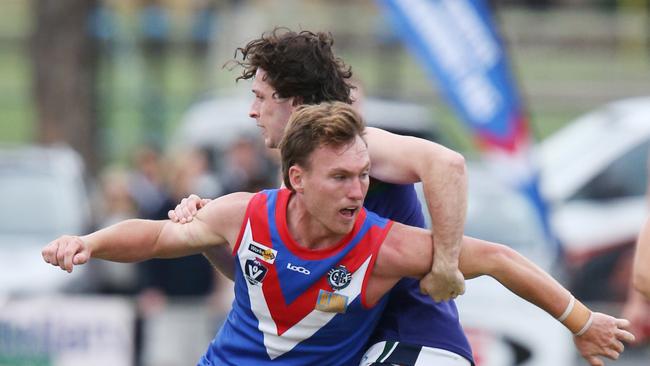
[[116, 204], [193, 172], [246, 168], [113, 203], [172, 294], [147, 183]]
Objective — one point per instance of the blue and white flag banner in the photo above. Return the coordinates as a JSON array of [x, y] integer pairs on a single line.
[[457, 42]]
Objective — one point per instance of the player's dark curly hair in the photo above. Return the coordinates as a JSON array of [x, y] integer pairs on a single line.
[[298, 65]]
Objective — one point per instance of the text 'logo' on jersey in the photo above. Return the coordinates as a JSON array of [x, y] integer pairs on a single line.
[[263, 252], [339, 277], [299, 269], [255, 271]]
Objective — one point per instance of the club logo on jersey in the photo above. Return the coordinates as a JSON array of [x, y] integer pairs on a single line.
[[254, 271], [331, 303], [299, 269], [339, 277], [263, 252]]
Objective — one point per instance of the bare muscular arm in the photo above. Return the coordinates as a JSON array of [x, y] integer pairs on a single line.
[[135, 240], [405, 159], [407, 252]]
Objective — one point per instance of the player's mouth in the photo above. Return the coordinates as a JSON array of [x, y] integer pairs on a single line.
[[349, 212]]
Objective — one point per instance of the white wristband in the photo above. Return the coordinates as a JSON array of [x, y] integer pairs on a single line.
[[568, 309], [587, 325]]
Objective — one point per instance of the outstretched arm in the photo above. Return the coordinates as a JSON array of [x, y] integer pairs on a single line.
[[407, 251], [404, 159], [135, 240], [595, 334]]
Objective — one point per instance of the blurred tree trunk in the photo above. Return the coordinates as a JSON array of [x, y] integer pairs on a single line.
[[64, 76]]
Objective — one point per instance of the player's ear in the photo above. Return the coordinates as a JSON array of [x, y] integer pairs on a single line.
[[296, 177]]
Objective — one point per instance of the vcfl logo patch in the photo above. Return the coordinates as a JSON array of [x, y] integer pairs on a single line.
[[299, 269], [254, 271]]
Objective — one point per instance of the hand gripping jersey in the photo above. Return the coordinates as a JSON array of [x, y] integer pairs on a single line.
[[410, 316], [295, 306]]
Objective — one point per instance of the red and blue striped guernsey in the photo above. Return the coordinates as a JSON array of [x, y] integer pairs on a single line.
[[296, 306]]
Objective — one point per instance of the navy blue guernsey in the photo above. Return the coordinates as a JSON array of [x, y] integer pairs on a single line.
[[409, 316]]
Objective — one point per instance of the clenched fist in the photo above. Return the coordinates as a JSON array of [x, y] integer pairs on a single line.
[[443, 284], [66, 252]]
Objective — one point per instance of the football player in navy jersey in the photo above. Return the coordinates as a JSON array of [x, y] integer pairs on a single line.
[[313, 266], [289, 69]]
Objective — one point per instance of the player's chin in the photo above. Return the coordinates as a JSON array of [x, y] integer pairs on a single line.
[[343, 226]]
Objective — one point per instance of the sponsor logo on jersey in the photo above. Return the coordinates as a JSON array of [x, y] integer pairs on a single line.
[[298, 269], [254, 271], [263, 252], [331, 302], [339, 277]]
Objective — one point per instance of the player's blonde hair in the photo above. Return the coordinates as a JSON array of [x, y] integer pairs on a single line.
[[311, 126]]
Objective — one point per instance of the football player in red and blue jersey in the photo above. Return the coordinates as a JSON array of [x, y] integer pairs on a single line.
[[313, 267]]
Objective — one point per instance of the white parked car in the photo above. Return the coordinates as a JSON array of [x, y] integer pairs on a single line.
[[43, 194], [595, 178]]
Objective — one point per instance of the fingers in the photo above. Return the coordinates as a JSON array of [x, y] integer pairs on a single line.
[[618, 346], [595, 361], [623, 324], [60, 253], [424, 284], [80, 258], [65, 252], [184, 210], [611, 354], [68, 254], [625, 336], [49, 253], [195, 201], [73, 246], [188, 208], [461, 291], [171, 214], [439, 290]]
